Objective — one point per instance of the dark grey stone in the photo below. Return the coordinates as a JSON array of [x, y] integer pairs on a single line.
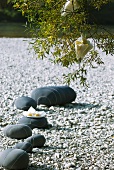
[[53, 95], [24, 103], [26, 146], [17, 131], [34, 122], [14, 159], [36, 140]]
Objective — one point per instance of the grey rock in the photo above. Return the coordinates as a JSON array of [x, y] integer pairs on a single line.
[[17, 131]]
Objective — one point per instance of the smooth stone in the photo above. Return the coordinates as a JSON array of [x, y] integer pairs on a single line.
[[14, 159], [37, 141], [24, 103], [26, 146], [53, 95], [34, 122], [17, 131]]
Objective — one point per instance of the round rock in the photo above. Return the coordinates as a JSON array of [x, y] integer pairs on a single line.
[[14, 159], [26, 146], [37, 141], [34, 122], [24, 103], [53, 95], [17, 131]]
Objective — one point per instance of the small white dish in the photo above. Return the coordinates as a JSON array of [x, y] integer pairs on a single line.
[[35, 115]]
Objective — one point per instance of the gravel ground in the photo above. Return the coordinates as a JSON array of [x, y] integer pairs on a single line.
[[82, 133]]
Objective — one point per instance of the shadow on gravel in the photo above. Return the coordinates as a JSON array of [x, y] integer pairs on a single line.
[[46, 147], [41, 167], [82, 106], [73, 105]]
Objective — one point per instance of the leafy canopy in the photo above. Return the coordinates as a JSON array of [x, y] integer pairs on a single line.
[[55, 34]]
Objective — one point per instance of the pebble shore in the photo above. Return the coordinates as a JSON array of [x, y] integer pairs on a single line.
[[82, 133]]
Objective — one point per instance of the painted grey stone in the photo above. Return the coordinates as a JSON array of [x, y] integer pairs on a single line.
[[14, 159], [17, 131], [53, 95], [36, 140], [24, 103], [34, 122], [26, 146]]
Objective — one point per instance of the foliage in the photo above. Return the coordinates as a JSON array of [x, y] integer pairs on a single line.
[[55, 34]]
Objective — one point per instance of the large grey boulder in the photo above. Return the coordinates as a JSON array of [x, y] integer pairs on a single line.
[[53, 95], [26, 146], [36, 140], [14, 159], [34, 122], [24, 103], [17, 131]]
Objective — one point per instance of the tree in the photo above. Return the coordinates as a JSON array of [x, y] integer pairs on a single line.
[[9, 14], [58, 24], [3, 3]]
